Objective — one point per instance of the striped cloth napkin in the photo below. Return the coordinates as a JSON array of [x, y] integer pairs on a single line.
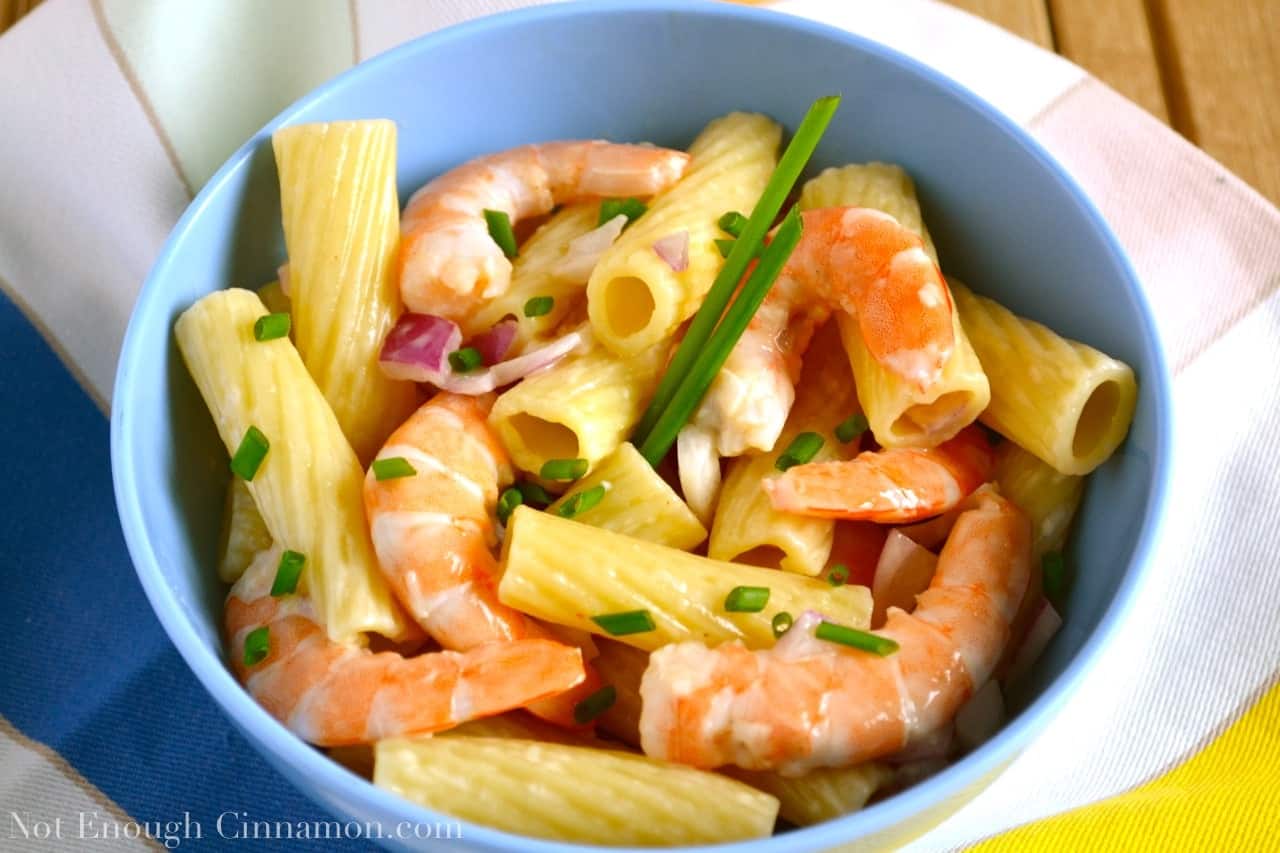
[[115, 111]]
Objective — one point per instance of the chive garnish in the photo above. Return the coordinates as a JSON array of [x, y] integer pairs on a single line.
[[746, 599], [693, 386], [732, 223], [855, 639], [256, 645], [500, 230], [563, 469], [249, 455], [725, 247], [268, 327], [538, 306], [851, 427], [392, 468], [1054, 569], [595, 704], [507, 503], [465, 360], [802, 449], [628, 622], [287, 574], [781, 623], [581, 502], [632, 208], [839, 575], [533, 493], [793, 161]]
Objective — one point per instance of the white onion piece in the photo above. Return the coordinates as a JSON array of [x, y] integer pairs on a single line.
[[980, 717], [674, 249], [282, 274], [506, 372], [933, 532], [903, 572], [929, 747], [799, 642], [699, 467], [1042, 630], [583, 253], [494, 344], [417, 348]]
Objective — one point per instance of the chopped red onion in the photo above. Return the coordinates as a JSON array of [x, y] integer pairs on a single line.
[[699, 466], [903, 572], [282, 274], [583, 252], [674, 249], [928, 747], [980, 717], [799, 642], [494, 344], [418, 348], [1043, 627]]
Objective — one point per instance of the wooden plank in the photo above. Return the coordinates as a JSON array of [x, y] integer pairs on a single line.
[[12, 10], [1221, 65], [1027, 18], [1112, 40]]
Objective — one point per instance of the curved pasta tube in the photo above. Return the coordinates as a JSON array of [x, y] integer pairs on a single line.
[[1048, 497]]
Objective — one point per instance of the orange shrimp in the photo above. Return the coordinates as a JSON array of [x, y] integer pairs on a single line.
[[808, 703], [896, 486], [851, 259], [332, 694], [449, 264], [434, 532]]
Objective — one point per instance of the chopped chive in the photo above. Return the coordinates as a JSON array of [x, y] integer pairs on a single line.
[[256, 645], [732, 223], [839, 575], [581, 502], [249, 455], [779, 186], [507, 503], [533, 493], [287, 574], [595, 704], [1054, 569], [538, 306], [851, 427], [855, 639], [628, 622], [632, 208], [271, 326], [392, 468], [746, 599], [465, 360], [500, 230], [781, 623], [563, 469], [802, 449], [693, 385], [725, 247]]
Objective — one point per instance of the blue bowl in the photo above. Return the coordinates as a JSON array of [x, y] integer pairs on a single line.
[[1004, 215]]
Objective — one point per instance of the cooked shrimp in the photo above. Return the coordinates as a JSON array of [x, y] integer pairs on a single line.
[[850, 259], [434, 532], [896, 486], [807, 703], [332, 694], [448, 262]]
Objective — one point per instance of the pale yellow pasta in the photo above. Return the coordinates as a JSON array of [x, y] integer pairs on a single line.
[[1064, 401], [566, 572], [819, 794], [582, 408], [309, 486], [622, 666], [572, 793], [534, 272], [1049, 498], [637, 502], [634, 298], [276, 300], [746, 527], [900, 414], [244, 533], [515, 724], [342, 230]]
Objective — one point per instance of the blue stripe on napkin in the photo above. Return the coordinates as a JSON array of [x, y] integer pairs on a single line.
[[86, 668]]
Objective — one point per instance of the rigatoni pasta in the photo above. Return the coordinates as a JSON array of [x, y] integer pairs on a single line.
[[244, 533], [308, 487], [1048, 497], [819, 794], [341, 227], [634, 298]]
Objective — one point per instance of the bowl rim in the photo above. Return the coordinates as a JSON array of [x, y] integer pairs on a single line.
[[287, 750]]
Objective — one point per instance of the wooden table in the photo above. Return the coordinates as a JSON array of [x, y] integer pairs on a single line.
[[1209, 69]]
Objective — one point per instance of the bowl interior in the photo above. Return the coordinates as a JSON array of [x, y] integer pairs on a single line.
[[1005, 219]]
